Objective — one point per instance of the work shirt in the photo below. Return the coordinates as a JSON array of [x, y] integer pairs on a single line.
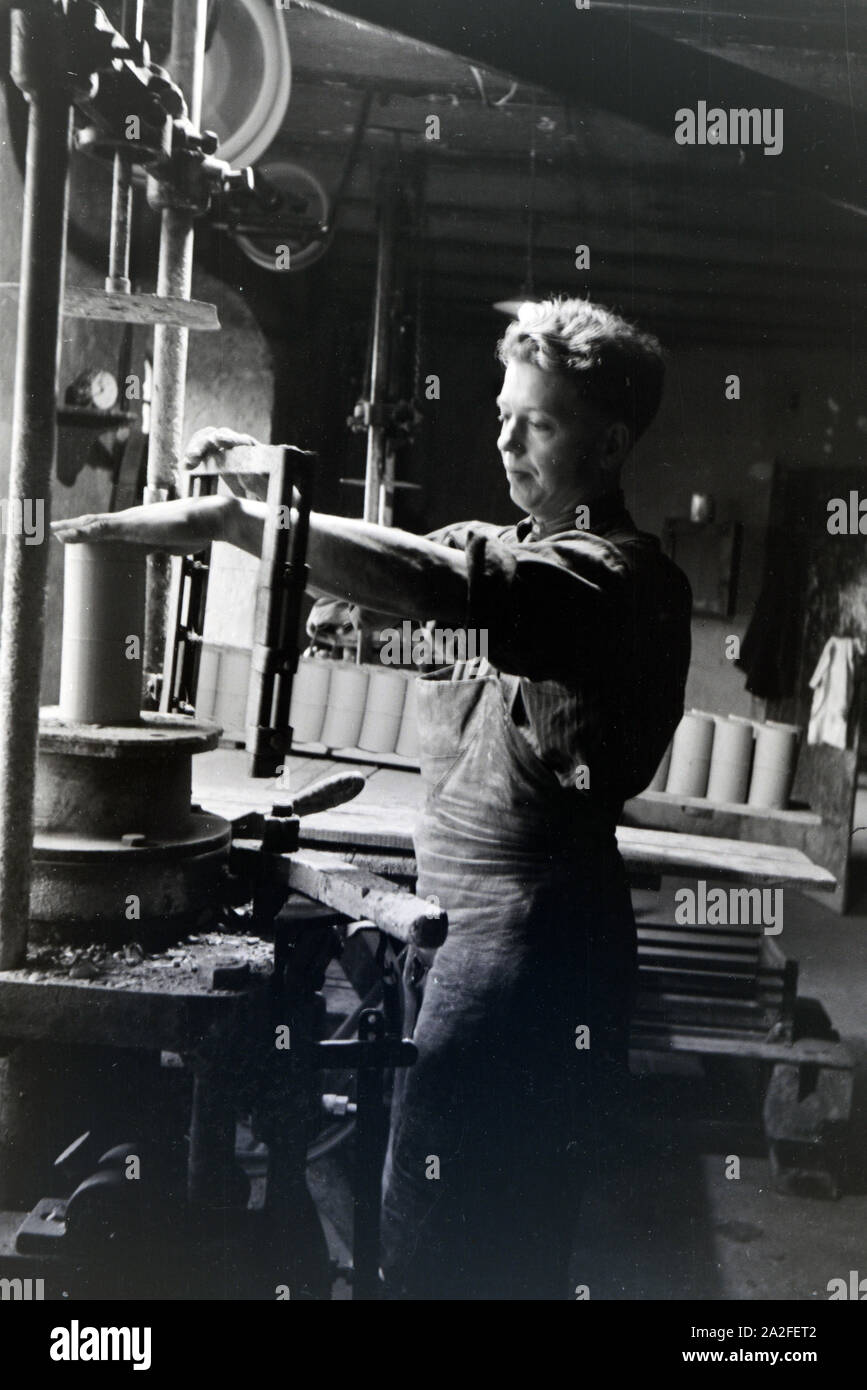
[[594, 625]]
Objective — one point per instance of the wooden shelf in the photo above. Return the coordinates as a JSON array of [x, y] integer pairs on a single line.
[[697, 806]]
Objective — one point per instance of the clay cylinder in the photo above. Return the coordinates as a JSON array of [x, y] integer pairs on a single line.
[[731, 761], [690, 755], [407, 741], [233, 682], [103, 609], [386, 691], [309, 698], [660, 776], [774, 765], [346, 698], [206, 686]]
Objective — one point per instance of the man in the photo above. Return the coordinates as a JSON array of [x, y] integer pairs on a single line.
[[527, 758]]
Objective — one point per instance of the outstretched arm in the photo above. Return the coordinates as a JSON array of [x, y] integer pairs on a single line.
[[377, 567]]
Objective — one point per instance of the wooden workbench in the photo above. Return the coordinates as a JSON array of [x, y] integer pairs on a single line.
[[713, 992], [382, 817]]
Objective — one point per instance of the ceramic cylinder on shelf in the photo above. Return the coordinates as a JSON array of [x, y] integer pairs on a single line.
[[731, 761], [774, 765], [660, 776], [691, 755], [383, 710], [347, 692], [206, 685], [103, 633], [230, 707], [407, 741], [309, 698]]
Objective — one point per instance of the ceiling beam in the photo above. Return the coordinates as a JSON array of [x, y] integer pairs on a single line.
[[815, 26], [485, 229], [604, 59]]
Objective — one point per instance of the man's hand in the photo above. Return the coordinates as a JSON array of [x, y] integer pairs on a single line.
[[214, 445], [179, 527], [98, 526]]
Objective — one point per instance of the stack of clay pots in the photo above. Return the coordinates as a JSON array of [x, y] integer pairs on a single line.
[[335, 704], [343, 705], [730, 759]]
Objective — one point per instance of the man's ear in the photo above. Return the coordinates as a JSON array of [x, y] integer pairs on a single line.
[[616, 445]]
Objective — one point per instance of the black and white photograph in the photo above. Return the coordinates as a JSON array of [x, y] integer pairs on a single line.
[[433, 814]]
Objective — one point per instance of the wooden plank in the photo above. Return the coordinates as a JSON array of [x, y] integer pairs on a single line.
[[746, 982], [670, 984], [747, 944], [397, 868], [744, 862], [299, 771], [701, 959], [666, 852], [719, 1022], [92, 1013], [395, 762], [726, 938], [705, 1011], [721, 811], [374, 826], [360, 894], [147, 309], [354, 892], [806, 1051], [383, 817], [111, 307]]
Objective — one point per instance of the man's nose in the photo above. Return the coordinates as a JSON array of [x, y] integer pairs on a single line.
[[510, 437]]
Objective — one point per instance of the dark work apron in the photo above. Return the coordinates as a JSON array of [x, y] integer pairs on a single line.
[[496, 1128]]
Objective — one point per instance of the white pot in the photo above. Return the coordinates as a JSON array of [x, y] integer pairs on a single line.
[[774, 765], [347, 693], [731, 761], [309, 699], [691, 755], [103, 609], [386, 691], [407, 742], [660, 776]]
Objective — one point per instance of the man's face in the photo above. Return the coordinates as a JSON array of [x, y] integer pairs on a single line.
[[552, 443]]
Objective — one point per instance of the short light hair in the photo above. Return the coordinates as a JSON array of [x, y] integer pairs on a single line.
[[618, 368]]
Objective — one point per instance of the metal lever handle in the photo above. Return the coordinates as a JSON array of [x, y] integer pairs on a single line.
[[331, 791]]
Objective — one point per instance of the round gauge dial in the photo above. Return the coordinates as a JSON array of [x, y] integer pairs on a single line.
[[103, 390], [95, 390]]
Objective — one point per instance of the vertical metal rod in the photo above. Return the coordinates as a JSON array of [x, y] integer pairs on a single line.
[[175, 277], [118, 279], [385, 515], [370, 1141], [212, 1140], [33, 444], [374, 476], [137, 7]]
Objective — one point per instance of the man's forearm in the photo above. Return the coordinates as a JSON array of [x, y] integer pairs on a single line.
[[180, 527], [376, 567]]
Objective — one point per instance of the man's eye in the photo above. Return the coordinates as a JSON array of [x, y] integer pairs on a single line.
[[540, 424]]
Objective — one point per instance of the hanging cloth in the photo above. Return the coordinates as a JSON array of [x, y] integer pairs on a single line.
[[832, 684]]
